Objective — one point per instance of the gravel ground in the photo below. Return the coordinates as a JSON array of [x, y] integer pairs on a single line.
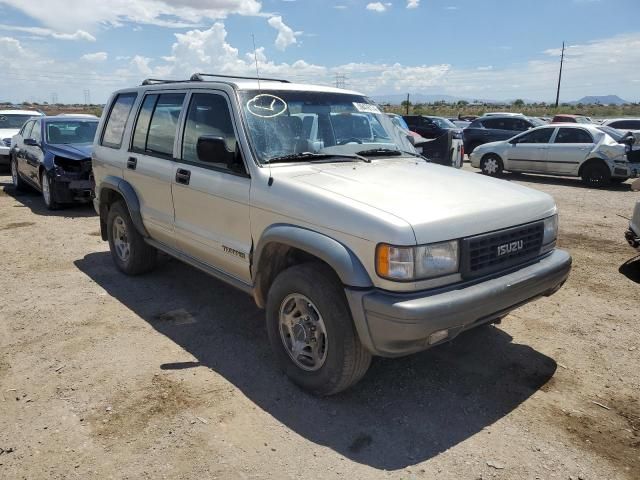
[[170, 375]]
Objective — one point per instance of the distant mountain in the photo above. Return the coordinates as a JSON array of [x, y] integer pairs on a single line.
[[602, 100]]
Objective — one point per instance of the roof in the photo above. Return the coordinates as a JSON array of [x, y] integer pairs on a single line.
[[35, 113], [65, 117], [572, 115], [593, 128]]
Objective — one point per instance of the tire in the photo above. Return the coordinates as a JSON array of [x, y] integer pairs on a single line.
[[596, 174], [47, 193], [17, 181], [491, 164], [618, 181], [131, 254], [471, 148], [340, 359]]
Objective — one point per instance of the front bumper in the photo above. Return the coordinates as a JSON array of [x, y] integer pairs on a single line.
[[4, 154], [69, 188], [393, 325]]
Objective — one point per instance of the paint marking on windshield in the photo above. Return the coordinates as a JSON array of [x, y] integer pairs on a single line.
[[266, 106], [366, 108]]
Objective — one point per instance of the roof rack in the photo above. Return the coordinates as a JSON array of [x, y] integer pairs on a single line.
[[197, 77], [154, 81]]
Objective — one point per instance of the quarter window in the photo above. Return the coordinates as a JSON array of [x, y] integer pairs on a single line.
[[26, 130], [36, 133], [573, 135], [209, 119], [114, 129]]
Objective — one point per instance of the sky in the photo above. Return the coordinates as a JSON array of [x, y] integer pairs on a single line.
[[77, 50]]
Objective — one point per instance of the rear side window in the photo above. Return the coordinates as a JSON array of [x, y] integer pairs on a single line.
[[26, 130], [142, 123], [161, 129], [496, 123], [118, 116], [573, 135], [36, 133], [542, 135], [476, 124]]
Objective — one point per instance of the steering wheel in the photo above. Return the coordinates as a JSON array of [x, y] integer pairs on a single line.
[[350, 140]]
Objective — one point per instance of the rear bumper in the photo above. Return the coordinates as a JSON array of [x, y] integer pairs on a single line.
[[399, 324]]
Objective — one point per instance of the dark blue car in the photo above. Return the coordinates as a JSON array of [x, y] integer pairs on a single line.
[[53, 155]]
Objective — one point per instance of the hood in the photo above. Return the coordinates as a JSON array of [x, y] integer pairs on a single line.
[[74, 152], [439, 203], [8, 132]]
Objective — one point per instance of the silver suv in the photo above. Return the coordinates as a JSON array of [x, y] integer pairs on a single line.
[[309, 199]]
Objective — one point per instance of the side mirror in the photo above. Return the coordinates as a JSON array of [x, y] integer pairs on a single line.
[[513, 142], [629, 140], [30, 142], [212, 149], [412, 139]]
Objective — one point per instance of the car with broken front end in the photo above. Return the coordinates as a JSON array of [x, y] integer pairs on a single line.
[[53, 156], [309, 199]]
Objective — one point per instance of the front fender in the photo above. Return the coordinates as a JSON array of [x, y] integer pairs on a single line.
[[337, 255], [127, 192]]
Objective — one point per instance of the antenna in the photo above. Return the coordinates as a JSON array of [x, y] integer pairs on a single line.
[[255, 56]]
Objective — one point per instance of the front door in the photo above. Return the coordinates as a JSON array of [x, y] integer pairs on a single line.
[[150, 161], [33, 155], [211, 189], [569, 149], [528, 152]]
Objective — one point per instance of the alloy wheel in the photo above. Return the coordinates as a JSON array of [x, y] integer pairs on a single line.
[[46, 189], [120, 239], [303, 332]]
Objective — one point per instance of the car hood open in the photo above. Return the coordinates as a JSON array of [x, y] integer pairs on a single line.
[[438, 202]]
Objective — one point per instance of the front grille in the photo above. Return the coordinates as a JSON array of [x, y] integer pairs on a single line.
[[491, 252]]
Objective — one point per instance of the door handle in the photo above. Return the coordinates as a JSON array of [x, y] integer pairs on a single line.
[[183, 176], [132, 163]]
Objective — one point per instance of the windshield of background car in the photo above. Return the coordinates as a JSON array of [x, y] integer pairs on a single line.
[[399, 122], [13, 121], [62, 132], [443, 123], [284, 123], [536, 121]]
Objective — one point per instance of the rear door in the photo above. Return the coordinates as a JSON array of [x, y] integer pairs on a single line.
[[497, 129], [33, 154], [211, 189], [19, 149], [150, 164], [528, 152], [569, 148]]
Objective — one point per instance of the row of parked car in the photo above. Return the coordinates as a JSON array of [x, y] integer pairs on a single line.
[[311, 200]]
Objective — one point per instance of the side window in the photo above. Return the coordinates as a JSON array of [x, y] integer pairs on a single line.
[[496, 123], [626, 124], [36, 133], [573, 135], [163, 126], [142, 123], [118, 116], [26, 130], [411, 120], [537, 136], [209, 138], [476, 124]]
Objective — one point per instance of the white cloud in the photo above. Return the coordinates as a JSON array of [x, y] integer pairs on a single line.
[[377, 7], [46, 32], [286, 36], [95, 57], [413, 3], [71, 15]]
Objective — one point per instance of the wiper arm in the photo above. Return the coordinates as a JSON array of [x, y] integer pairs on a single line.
[[388, 152], [296, 157]]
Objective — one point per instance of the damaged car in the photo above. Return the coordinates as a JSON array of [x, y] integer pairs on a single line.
[[53, 155]]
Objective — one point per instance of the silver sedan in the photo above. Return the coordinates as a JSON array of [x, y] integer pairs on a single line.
[[599, 155]]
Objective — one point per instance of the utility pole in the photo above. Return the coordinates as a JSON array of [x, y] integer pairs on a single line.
[[87, 97], [560, 76], [341, 81], [407, 105]]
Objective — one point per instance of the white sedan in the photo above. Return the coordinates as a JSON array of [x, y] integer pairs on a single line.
[[599, 155]]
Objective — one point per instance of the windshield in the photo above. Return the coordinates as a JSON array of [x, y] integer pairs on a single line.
[[70, 131], [536, 121], [398, 121], [443, 122], [284, 123], [617, 135], [13, 121]]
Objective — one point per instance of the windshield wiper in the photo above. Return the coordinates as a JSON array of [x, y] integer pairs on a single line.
[[388, 152], [296, 157]]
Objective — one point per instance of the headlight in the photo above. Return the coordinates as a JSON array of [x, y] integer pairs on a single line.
[[550, 233], [7, 142], [417, 263]]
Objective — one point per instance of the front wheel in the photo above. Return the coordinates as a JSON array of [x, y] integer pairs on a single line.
[[311, 331], [491, 165], [47, 192]]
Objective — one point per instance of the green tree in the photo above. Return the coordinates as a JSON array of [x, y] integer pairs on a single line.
[[518, 103]]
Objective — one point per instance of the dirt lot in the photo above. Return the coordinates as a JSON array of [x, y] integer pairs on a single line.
[[170, 375]]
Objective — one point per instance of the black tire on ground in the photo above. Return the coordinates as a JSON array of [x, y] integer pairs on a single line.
[[18, 183], [346, 359], [596, 174], [618, 181], [50, 200], [491, 164], [141, 257]]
